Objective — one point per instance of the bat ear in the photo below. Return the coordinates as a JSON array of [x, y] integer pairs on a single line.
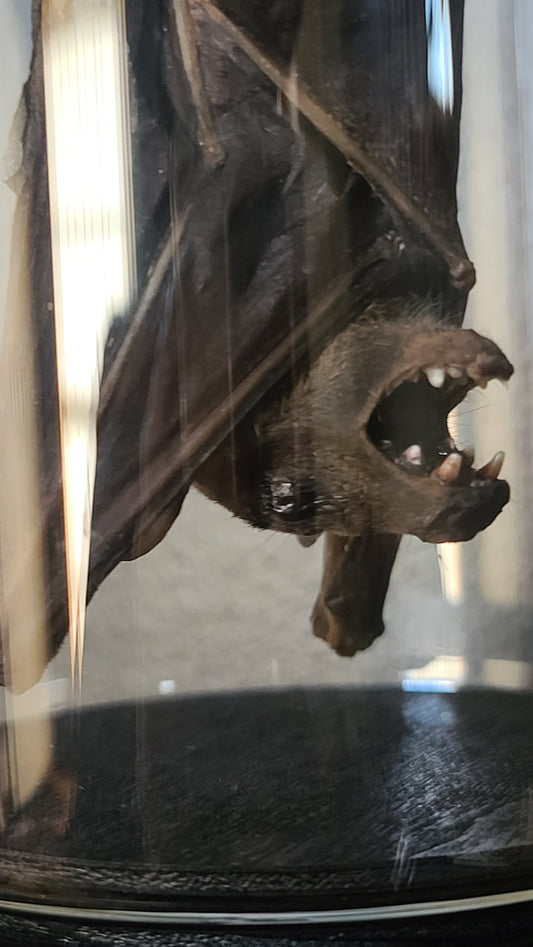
[[273, 24], [355, 579]]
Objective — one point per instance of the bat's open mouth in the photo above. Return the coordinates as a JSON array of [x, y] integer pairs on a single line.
[[370, 424], [409, 427], [409, 424]]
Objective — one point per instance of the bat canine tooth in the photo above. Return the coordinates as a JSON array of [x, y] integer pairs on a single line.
[[492, 470], [450, 468], [436, 376], [413, 455], [455, 372]]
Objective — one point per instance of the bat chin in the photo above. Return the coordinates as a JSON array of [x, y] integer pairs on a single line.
[[440, 514], [466, 512]]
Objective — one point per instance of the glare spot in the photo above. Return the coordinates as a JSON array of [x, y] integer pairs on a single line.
[[167, 687], [440, 53], [443, 675]]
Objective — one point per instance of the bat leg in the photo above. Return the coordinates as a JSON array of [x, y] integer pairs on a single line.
[[355, 577]]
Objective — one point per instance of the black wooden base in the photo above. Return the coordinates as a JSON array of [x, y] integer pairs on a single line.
[[289, 800]]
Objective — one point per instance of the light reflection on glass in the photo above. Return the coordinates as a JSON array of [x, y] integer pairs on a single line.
[[506, 674], [442, 675], [450, 555], [496, 305], [91, 208], [94, 279], [440, 55]]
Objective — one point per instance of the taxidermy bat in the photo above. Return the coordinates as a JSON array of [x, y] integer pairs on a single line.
[[296, 344]]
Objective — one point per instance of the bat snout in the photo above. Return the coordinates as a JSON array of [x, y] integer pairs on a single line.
[[373, 448]]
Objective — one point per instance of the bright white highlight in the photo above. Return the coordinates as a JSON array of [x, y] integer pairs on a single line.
[[91, 212], [440, 53], [442, 675]]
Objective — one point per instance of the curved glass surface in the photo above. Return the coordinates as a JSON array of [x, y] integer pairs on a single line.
[[265, 589]]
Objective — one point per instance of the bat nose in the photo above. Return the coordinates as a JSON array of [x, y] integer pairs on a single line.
[[463, 275]]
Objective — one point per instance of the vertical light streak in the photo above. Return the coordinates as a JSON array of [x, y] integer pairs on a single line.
[[450, 555], [25, 749], [491, 201], [440, 53], [93, 252]]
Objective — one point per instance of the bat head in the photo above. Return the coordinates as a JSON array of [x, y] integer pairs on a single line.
[[372, 445], [362, 443]]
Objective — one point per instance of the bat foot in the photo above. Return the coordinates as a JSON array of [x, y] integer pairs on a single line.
[[356, 570]]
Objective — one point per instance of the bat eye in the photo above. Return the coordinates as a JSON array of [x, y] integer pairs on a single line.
[[293, 501], [283, 497]]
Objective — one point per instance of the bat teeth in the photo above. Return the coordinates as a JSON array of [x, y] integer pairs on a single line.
[[436, 376], [457, 374], [492, 470], [450, 468], [413, 455]]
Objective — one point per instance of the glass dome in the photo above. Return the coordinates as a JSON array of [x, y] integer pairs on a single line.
[[265, 596]]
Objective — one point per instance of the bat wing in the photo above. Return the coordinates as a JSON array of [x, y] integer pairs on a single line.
[[290, 165], [381, 81]]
